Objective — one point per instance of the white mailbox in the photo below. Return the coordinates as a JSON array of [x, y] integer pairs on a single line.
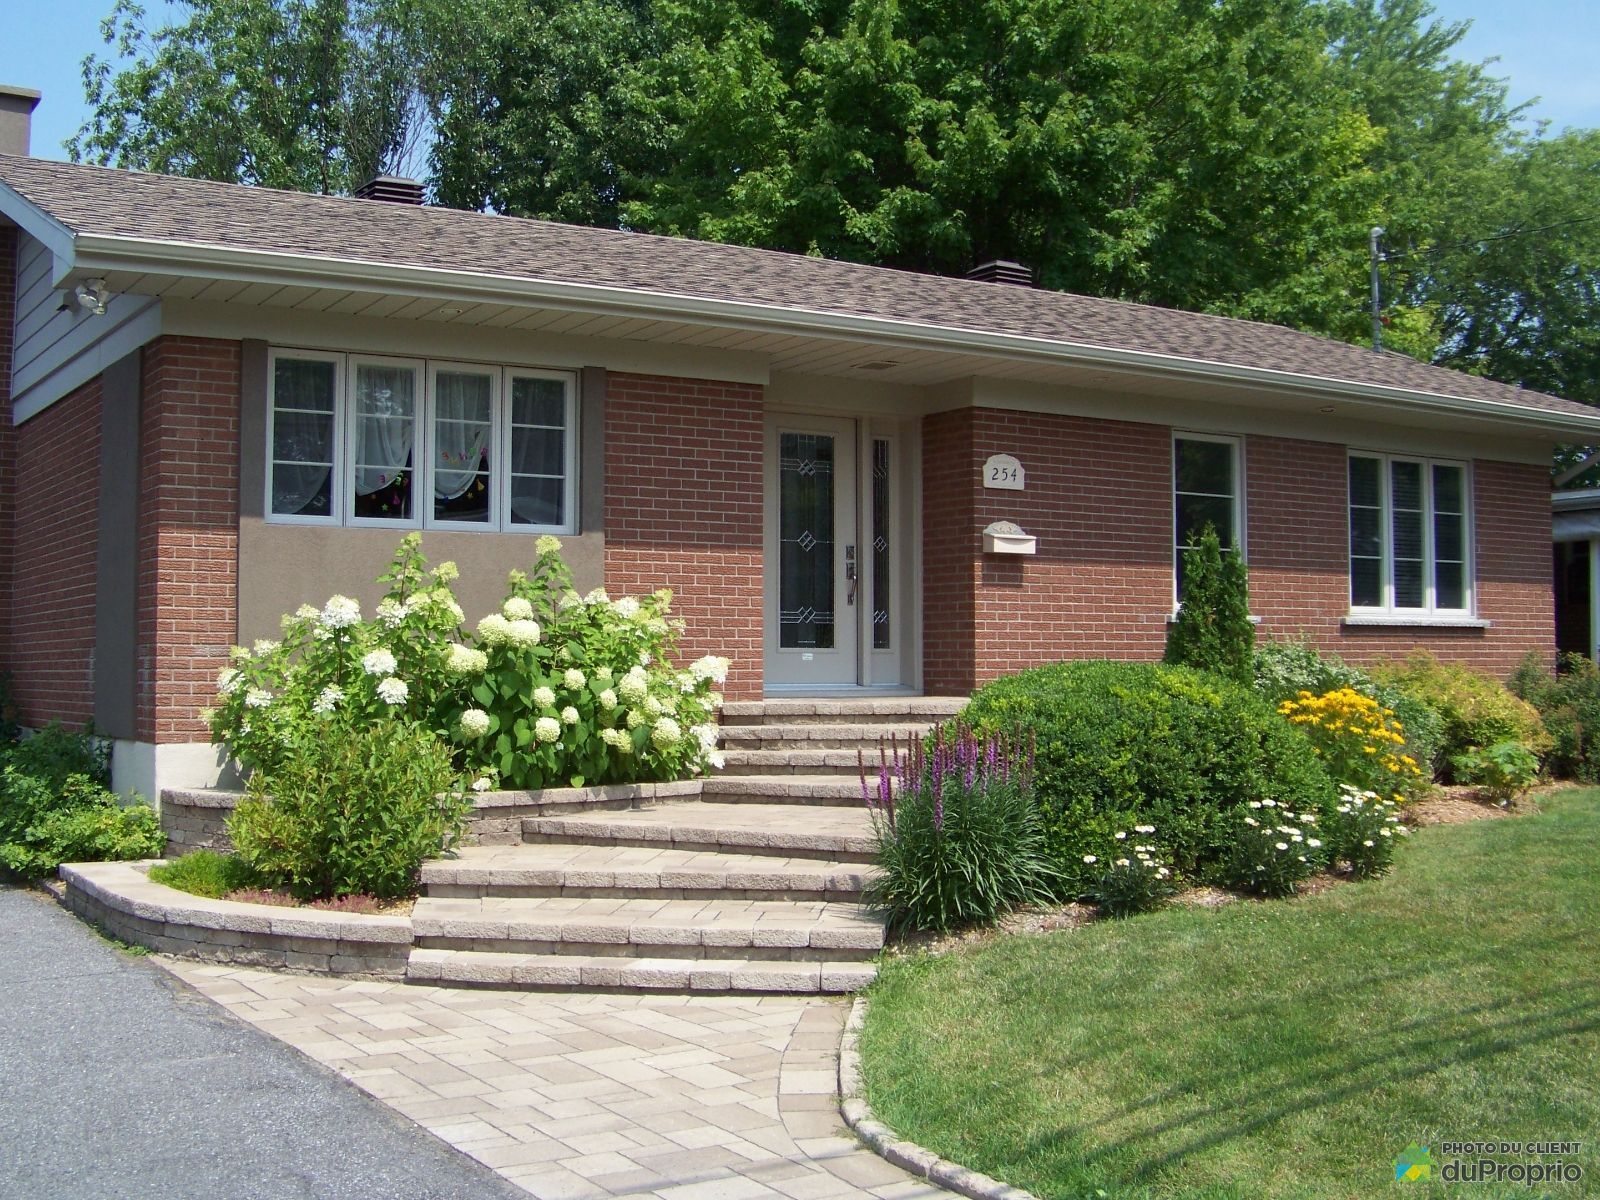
[[1006, 537]]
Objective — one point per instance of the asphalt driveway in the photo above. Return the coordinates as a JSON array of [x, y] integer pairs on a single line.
[[117, 1080]]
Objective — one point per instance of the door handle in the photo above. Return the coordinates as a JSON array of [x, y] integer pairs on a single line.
[[850, 574]]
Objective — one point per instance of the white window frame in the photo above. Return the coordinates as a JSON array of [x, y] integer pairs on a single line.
[[347, 505], [342, 507], [499, 443], [1430, 607], [336, 479], [569, 447], [1236, 446]]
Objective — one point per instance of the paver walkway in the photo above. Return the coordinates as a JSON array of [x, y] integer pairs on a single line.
[[584, 1097]]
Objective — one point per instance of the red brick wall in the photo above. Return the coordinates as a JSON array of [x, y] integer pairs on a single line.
[[9, 245], [188, 531], [1298, 541], [56, 532], [683, 510], [1098, 499]]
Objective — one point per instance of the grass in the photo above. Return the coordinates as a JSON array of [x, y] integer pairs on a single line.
[[1273, 1050]]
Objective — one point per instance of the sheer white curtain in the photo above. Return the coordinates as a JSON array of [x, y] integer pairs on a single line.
[[386, 405], [460, 430], [302, 434]]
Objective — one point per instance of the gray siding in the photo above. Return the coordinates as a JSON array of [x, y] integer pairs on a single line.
[[57, 349]]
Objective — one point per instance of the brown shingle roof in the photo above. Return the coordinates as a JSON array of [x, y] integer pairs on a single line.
[[99, 201]]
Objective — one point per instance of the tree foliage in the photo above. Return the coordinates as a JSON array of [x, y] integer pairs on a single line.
[[1213, 631], [1219, 155]]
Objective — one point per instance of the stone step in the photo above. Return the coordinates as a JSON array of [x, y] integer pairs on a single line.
[[798, 762], [650, 872], [563, 972], [870, 739], [768, 930], [834, 790], [842, 710], [836, 833]]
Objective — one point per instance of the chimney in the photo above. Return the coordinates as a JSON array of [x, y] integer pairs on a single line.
[[1002, 270], [16, 118], [395, 189]]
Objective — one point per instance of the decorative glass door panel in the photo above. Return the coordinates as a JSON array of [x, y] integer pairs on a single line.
[[813, 583], [806, 516]]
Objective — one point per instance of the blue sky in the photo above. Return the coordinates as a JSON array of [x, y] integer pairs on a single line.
[[1546, 48]]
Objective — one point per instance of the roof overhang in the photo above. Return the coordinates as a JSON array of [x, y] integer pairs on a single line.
[[83, 256]]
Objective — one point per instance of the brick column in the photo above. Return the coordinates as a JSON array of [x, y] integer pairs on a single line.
[[683, 509], [188, 531]]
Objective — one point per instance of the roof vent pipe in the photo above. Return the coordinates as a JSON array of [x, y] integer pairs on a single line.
[[16, 118], [395, 189], [1002, 270]]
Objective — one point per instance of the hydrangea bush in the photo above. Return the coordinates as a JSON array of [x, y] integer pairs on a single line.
[[554, 689]]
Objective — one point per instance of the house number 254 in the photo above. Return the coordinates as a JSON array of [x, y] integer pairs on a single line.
[[1004, 472]]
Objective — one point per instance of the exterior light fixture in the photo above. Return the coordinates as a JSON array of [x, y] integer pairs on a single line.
[[92, 295]]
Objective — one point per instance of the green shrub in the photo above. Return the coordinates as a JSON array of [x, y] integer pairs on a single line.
[[1474, 709], [1213, 631], [1271, 849], [352, 806], [1283, 670], [55, 752], [1569, 705], [1360, 833], [44, 824], [206, 873], [1129, 876], [1502, 771], [1125, 744], [959, 839], [556, 689], [10, 729]]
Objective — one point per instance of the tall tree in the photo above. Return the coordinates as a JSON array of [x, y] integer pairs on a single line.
[[311, 95]]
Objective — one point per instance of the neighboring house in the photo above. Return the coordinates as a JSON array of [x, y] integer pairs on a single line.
[[809, 453], [1576, 529]]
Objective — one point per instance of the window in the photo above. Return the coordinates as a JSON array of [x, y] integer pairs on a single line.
[[404, 443], [1205, 486], [1409, 535]]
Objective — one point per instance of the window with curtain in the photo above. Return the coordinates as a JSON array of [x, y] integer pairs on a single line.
[[304, 419], [1205, 487], [362, 440], [1409, 536]]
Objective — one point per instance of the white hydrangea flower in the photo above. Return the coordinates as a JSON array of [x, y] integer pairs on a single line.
[[644, 659], [633, 687], [686, 682], [494, 630], [544, 697], [517, 609], [706, 735], [340, 612], [715, 700], [265, 646], [474, 723], [666, 733], [447, 572], [378, 662], [257, 698], [547, 544], [652, 707], [464, 660], [636, 718], [608, 700], [569, 715], [522, 633], [597, 596], [573, 678], [393, 691], [482, 783], [570, 600], [617, 740], [710, 667], [657, 626], [307, 612], [627, 608], [228, 682], [391, 612], [546, 729], [328, 699], [603, 674]]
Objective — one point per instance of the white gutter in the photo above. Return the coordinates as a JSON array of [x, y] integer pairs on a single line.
[[99, 255]]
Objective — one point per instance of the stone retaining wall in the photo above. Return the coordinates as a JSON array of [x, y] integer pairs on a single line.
[[121, 899], [193, 818]]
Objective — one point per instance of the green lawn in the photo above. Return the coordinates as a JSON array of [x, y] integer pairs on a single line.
[[1278, 1049]]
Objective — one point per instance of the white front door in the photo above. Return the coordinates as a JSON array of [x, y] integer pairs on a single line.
[[813, 567]]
